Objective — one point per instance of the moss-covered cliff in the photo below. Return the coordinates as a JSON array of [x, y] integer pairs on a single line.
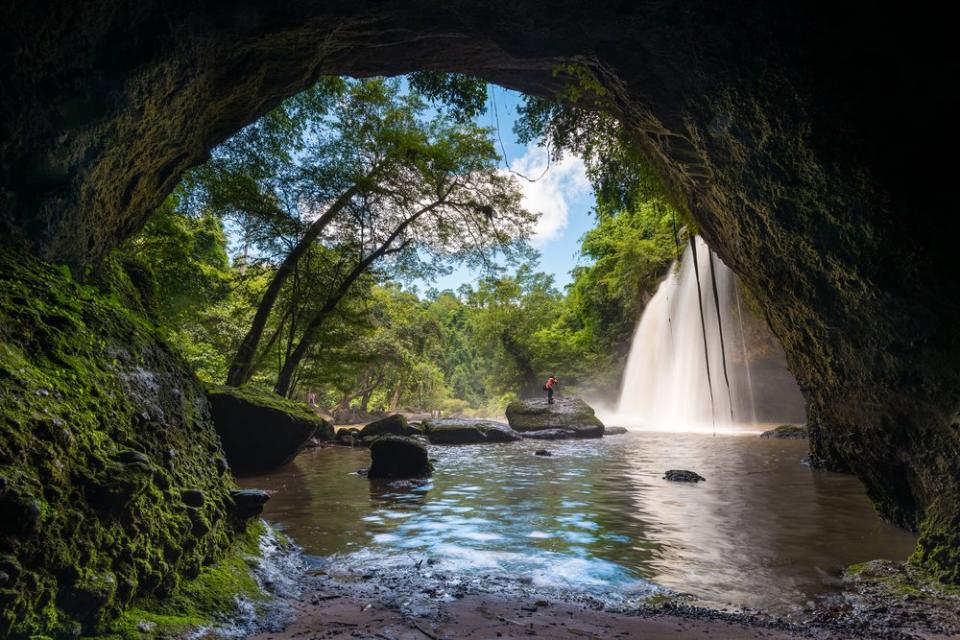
[[109, 488]]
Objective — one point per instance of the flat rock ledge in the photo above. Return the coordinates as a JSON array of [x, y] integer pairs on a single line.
[[461, 431], [567, 414], [786, 432]]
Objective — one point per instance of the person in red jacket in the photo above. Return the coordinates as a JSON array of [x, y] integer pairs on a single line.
[[550, 386]]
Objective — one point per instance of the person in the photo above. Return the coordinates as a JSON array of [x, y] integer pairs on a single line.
[[551, 386], [312, 399]]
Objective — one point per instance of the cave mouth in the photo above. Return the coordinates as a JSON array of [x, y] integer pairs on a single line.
[[774, 126], [634, 508]]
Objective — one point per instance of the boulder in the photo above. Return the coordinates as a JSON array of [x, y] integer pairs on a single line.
[[248, 503], [682, 475], [567, 413], [395, 425], [542, 452], [398, 457], [786, 432], [461, 431], [614, 431], [260, 430]]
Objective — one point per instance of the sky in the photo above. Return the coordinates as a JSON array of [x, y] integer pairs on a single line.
[[562, 196]]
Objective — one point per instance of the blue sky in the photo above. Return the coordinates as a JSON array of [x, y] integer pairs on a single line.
[[562, 196]]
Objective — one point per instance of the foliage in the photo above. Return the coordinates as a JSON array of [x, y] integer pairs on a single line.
[[465, 96], [380, 347]]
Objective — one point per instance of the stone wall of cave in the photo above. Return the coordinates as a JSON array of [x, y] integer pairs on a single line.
[[805, 141]]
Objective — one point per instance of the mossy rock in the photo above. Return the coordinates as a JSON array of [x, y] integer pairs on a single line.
[[398, 457], [261, 430], [103, 432], [395, 425], [457, 431], [568, 413], [786, 432]]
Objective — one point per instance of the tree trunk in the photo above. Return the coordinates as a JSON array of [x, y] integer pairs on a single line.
[[310, 333], [241, 368], [395, 398]]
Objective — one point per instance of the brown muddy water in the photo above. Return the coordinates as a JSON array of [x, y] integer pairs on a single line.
[[596, 518]]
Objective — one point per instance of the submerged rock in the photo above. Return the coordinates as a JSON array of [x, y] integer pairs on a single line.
[[614, 431], [786, 432], [398, 457], [568, 413], [683, 475], [260, 430], [395, 425], [542, 452], [458, 431]]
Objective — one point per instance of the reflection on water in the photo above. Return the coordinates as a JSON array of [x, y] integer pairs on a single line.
[[764, 531]]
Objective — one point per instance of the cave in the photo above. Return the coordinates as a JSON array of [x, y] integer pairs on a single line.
[[806, 141]]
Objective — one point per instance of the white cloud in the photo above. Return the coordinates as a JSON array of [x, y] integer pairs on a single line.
[[551, 195]]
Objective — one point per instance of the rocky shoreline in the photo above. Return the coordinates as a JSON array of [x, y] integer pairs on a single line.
[[414, 602]]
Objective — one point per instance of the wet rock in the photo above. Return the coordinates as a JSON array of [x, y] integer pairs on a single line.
[[542, 452], [248, 503], [461, 431], [567, 413], [192, 497], [550, 434], [344, 438], [395, 425], [614, 431], [398, 457], [260, 430], [416, 429], [134, 461], [683, 475], [786, 432]]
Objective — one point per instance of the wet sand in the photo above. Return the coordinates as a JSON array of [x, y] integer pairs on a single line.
[[326, 615]]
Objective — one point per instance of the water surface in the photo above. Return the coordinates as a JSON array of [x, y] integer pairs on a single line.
[[763, 531]]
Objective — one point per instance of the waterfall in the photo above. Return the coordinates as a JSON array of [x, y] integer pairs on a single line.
[[667, 381]]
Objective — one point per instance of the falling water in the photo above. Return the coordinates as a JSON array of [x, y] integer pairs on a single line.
[[666, 384]]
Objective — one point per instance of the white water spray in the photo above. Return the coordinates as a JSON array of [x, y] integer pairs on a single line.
[[666, 381]]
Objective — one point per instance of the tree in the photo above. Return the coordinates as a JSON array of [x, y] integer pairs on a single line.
[[427, 191], [379, 177]]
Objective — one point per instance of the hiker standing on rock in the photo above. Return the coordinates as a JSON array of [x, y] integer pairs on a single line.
[[550, 386]]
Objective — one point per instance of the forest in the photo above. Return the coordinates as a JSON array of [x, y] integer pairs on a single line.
[[300, 257]]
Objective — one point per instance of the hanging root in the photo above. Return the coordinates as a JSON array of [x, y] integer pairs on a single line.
[[703, 328], [723, 350]]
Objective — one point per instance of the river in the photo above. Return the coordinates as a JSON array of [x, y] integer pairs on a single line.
[[596, 517]]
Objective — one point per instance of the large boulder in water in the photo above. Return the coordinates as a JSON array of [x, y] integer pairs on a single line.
[[569, 414], [398, 457], [261, 430], [395, 425], [457, 431]]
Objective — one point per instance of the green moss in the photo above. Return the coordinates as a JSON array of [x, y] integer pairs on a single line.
[[102, 429], [938, 547], [786, 432], [268, 399], [900, 579], [200, 602]]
